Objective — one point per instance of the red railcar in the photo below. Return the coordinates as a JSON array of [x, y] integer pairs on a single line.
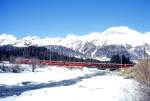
[[80, 64], [72, 64], [48, 62]]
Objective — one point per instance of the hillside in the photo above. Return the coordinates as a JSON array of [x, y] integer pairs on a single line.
[[115, 40]]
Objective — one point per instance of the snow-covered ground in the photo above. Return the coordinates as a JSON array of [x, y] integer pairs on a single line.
[[63, 84], [41, 75]]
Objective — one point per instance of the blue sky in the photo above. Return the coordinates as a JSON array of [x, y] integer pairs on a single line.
[[61, 17]]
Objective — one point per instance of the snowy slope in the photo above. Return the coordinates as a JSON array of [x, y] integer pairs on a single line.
[[90, 44], [6, 39], [65, 51], [113, 35]]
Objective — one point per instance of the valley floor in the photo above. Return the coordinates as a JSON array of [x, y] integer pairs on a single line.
[[62, 84]]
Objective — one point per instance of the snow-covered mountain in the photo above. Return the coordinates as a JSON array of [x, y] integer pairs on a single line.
[[96, 45], [65, 51]]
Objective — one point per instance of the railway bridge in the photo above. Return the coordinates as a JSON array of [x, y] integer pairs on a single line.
[[70, 64]]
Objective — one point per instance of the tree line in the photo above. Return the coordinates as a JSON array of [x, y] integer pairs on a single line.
[[10, 53]]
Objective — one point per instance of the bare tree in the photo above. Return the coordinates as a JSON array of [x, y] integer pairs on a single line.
[[34, 63], [142, 71]]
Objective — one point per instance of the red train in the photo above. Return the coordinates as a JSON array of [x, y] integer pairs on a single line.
[[72, 64]]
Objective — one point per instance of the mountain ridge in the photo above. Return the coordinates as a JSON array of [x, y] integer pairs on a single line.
[[93, 44], [114, 35]]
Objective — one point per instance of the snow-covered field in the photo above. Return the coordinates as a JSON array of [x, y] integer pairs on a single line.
[[63, 84]]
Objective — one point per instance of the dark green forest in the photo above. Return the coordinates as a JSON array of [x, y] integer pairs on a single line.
[[10, 53]]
